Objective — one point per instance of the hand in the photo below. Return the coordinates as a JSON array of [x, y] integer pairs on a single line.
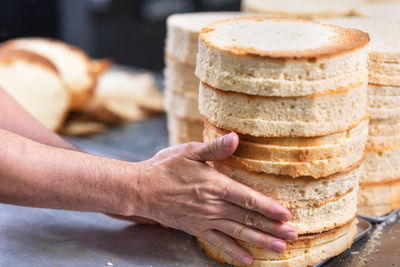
[[179, 190]]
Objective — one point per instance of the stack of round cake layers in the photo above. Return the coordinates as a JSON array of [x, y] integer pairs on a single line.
[[185, 124], [305, 9], [380, 179], [296, 93]]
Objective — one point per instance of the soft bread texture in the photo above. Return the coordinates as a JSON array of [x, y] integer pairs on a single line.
[[183, 105], [293, 193], [308, 215], [384, 101], [74, 66], [183, 33], [381, 166], [384, 134], [316, 157], [378, 199], [384, 48], [281, 57], [284, 117], [183, 131], [385, 11], [36, 85], [308, 9], [180, 78], [306, 251]]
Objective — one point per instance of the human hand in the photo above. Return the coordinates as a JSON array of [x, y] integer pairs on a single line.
[[179, 190]]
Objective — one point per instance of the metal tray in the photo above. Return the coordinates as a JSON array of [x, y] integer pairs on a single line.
[[363, 228], [379, 219]]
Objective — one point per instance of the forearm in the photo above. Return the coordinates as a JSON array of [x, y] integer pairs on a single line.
[[14, 118], [36, 175]]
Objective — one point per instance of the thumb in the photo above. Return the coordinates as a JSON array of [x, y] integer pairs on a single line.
[[218, 149]]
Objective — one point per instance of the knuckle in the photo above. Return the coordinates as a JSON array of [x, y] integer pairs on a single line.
[[250, 219], [249, 201], [238, 232]]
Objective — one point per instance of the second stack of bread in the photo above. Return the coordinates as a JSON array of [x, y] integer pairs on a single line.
[[296, 92], [185, 124], [380, 179]]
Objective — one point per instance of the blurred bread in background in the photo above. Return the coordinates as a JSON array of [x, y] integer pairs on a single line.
[[35, 83], [52, 79]]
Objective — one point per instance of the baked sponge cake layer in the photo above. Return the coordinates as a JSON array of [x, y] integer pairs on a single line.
[[313, 156], [381, 166], [384, 48], [317, 205], [183, 131], [306, 251], [308, 9], [384, 101], [183, 105], [180, 77], [183, 33], [285, 116], [384, 134], [281, 57], [378, 199], [386, 11]]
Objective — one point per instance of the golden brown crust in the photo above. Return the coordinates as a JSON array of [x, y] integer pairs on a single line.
[[8, 54], [350, 40], [391, 183], [169, 57], [235, 163]]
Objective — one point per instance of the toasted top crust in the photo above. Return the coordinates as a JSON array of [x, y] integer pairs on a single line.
[[282, 38], [195, 22], [9, 55], [304, 9], [387, 11], [385, 40]]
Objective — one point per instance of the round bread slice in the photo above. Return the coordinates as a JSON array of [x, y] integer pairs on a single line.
[[378, 199], [308, 250], [385, 11], [384, 101], [36, 85], [384, 134], [308, 9], [307, 116], [281, 57], [299, 156], [316, 205], [74, 66], [381, 165], [180, 78], [183, 33], [184, 105], [384, 48], [183, 131]]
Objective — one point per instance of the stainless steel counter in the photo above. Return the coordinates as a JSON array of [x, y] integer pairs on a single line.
[[36, 237]]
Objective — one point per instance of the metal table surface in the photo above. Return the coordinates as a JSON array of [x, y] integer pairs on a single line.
[[37, 237]]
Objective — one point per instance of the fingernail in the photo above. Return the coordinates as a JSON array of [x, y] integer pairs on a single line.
[[291, 235], [278, 246], [285, 216], [246, 260], [227, 141]]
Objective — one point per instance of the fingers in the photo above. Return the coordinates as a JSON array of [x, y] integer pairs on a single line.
[[251, 235], [228, 245], [256, 220], [218, 149], [250, 199], [135, 219]]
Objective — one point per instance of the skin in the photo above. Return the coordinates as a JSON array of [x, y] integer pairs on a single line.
[[175, 188]]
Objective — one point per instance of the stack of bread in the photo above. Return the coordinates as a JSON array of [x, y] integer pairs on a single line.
[[185, 123], [51, 79], [385, 11], [306, 9], [380, 179], [296, 93]]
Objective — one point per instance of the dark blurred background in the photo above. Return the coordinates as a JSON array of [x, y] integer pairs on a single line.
[[130, 32]]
